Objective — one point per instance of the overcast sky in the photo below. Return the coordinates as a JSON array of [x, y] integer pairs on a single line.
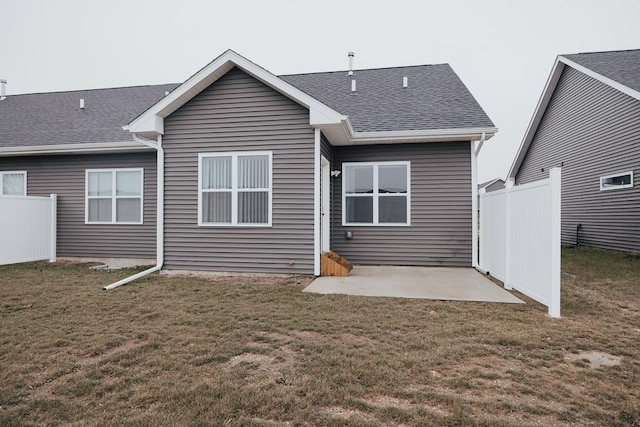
[[503, 50]]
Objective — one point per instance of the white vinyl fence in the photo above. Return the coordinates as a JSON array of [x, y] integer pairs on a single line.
[[520, 238], [27, 229]]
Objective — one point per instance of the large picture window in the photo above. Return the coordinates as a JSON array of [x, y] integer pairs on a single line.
[[235, 188], [376, 193], [113, 196], [13, 183]]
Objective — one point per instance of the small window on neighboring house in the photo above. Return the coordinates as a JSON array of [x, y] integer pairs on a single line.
[[13, 183], [620, 180], [376, 193], [114, 196], [234, 189]]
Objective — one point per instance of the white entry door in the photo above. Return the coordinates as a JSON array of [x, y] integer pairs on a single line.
[[325, 205]]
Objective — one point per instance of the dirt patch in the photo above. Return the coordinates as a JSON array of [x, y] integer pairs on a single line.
[[388, 402], [345, 413], [595, 359], [263, 369]]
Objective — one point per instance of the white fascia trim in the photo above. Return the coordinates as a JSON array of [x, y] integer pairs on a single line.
[[543, 102], [466, 134], [317, 217], [101, 147], [614, 84], [151, 121]]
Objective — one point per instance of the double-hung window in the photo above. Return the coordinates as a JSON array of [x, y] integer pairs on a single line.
[[376, 193], [13, 183], [235, 188], [113, 196]]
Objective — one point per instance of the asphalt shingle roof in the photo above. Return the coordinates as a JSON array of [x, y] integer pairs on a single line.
[[434, 99], [55, 118], [621, 66]]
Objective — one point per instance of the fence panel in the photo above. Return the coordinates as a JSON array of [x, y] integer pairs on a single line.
[[27, 229], [520, 238], [493, 233], [530, 240]]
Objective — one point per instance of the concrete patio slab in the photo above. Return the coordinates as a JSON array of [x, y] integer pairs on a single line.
[[437, 283]]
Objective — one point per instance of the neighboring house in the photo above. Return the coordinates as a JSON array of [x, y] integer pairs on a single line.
[[492, 185], [240, 170], [588, 122]]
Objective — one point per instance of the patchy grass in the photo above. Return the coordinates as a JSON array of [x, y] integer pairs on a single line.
[[256, 351]]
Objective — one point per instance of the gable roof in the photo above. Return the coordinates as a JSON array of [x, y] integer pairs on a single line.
[[40, 121], [490, 183], [435, 98], [151, 123], [435, 106], [618, 69], [622, 67]]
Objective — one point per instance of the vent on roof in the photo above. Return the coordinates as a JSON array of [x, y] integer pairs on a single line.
[[405, 81], [3, 94], [351, 55], [166, 92], [353, 85], [82, 103]]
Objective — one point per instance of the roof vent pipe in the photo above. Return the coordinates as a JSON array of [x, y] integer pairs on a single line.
[[3, 94], [82, 103], [353, 85], [405, 81], [351, 54]]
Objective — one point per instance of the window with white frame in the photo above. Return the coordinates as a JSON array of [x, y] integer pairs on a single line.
[[235, 188], [376, 193], [620, 180], [13, 183], [114, 196]]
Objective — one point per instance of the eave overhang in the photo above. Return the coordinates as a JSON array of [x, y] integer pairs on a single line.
[[344, 135], [87, 148]]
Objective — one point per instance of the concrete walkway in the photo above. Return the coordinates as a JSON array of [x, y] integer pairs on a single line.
[[438, 283]]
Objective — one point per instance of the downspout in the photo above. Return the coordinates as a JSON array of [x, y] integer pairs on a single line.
[[482, 138], [474, 207], [159, 215]]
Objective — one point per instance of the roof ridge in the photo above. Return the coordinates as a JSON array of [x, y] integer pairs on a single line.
[[601, 51], [365, 69]]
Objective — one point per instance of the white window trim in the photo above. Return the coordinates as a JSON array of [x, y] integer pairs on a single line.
[[234, 188], [375, 195], [113, 196], [617, 187], [3, 173]]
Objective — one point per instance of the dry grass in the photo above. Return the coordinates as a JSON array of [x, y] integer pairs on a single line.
[[242, 351]]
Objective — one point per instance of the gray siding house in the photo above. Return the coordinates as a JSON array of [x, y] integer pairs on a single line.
[[239, 170], [588, 122]]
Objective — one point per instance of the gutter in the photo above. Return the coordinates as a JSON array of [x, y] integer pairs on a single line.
[[102, 147], [159, 214], [354, 137]]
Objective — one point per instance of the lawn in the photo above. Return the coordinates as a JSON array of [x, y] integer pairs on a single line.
[[234, 351]]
